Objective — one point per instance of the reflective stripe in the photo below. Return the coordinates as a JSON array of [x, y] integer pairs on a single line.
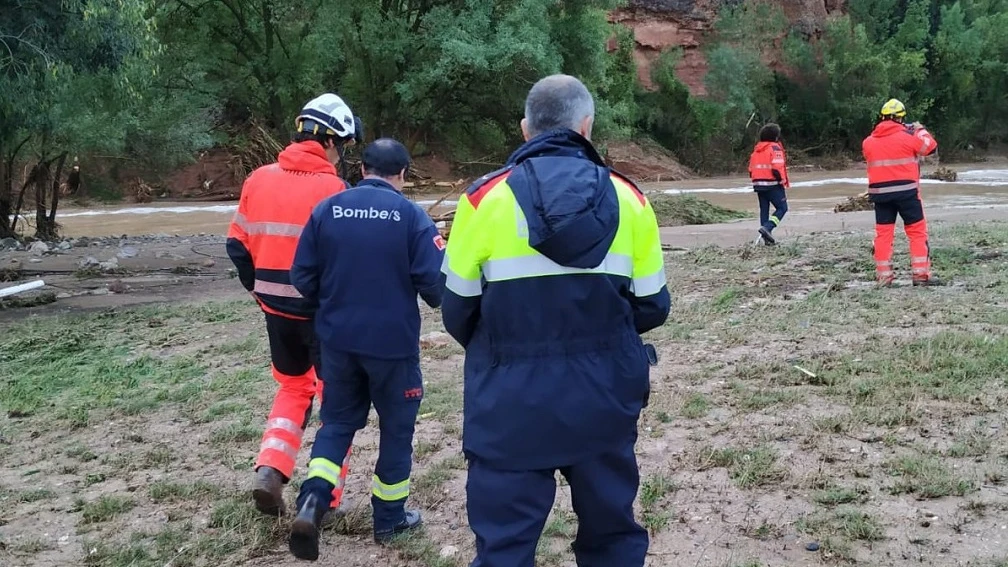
[[919, 259], [324, 469], [279, 290], [267, 228], [763, 166], [891, 162], [766, 183], [648, 285], [892, 189], [284, 424], [777, 160], [775, 220], [389, 492], [457, 284], [272, 443], [539, 265], [884, 263]]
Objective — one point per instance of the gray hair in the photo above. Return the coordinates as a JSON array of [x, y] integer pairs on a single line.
[[557, 102]]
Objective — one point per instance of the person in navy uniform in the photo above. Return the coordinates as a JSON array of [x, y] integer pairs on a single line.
[[363, 257]]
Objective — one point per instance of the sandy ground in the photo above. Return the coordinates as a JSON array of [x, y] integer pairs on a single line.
[[745, 317]]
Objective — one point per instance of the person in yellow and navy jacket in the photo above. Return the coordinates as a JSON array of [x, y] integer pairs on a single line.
[[553, 270]]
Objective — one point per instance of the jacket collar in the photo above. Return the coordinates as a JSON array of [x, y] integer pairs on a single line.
[[308, 157], [561, 143], [376, 183], [888, 127]]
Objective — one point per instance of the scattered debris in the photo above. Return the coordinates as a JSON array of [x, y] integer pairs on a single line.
[[128, 252], [680, 210], [943, 174], [808, 373], [854, 204], [436, 339], [38, 248]]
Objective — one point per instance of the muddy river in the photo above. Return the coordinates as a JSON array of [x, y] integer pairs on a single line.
[[979, 186]]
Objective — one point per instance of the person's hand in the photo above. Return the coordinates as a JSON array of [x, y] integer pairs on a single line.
[[917, 126]]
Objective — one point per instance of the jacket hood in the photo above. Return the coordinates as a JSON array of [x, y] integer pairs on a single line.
[[765, 146], [888, 128], [566, 193], [307, 157]]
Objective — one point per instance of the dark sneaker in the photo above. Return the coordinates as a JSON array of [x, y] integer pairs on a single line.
[[767, 237], [928, 282], [304, 537], [411, 522], [267, 491]]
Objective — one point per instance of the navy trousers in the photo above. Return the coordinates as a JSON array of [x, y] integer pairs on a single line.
[[351, 384], [508, 510], [776, 197]]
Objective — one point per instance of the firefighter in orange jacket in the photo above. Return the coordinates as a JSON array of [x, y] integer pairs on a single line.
[[768, 171], [276, 201], [892, 153]]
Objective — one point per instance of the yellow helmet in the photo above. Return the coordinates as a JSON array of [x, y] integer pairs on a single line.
[[893, 108]]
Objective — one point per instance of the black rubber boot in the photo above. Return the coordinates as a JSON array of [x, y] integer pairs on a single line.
[[411, 522], [267, 491], [767, 237], [304, 537]]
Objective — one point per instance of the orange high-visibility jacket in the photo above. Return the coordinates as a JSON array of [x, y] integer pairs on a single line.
[[892, 152], [276, 202], [768, 167]]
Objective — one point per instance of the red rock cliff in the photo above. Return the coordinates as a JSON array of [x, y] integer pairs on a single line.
[[661, 24]]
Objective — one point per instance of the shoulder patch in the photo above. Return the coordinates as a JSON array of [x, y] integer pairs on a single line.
[[631, 184], [479, 189]]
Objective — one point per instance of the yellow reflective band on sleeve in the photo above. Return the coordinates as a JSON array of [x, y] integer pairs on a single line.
[[643, 241], [648, 285], [390, 492], [324, 469], [467, 249], [537, 265], [457, 284]]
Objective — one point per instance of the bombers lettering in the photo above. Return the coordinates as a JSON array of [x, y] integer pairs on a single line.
[[369, 213]]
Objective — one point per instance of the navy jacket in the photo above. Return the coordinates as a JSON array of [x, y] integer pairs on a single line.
[[555, 369], [363, 257]]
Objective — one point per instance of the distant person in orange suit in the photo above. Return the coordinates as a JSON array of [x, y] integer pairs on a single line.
[[768, 171], [893, 152]]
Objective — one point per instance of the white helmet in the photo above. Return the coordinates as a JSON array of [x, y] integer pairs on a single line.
[[328, 114]]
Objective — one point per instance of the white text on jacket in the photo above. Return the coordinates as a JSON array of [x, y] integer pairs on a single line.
[[369, 213]]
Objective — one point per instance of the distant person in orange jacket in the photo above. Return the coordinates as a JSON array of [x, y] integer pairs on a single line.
[[276, 202], [768, 171], [892, 153]]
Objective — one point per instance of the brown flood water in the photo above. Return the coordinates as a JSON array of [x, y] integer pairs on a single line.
[[981, 187]]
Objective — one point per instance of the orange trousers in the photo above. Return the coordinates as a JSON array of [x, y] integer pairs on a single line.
[[911, 210], [294, 354]]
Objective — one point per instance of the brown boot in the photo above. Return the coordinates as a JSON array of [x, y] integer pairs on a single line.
[[267, 491]]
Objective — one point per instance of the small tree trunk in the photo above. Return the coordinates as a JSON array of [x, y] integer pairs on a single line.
[[60, 162], [6, 192], [41, 187]]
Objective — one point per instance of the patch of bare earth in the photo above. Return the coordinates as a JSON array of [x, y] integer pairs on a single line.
[[799, 416]]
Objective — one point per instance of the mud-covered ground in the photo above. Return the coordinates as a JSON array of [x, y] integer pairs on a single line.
[[799, 415]]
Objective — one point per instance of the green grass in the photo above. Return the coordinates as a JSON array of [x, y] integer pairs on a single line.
[[835, 496], [695, 406], [103, 509], [926, 478], [748, 468], [845, 522], [418, 547], [167, 491], [676, 210]]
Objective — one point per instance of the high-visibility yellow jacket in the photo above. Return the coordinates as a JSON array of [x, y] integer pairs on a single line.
[[553, 269]]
